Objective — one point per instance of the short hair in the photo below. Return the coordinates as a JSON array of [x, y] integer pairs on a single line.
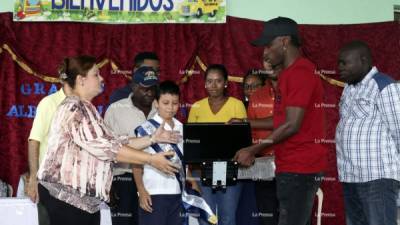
[[361, 47], [71, 67], [219, 68], [167, 87], [257, 73], [141, 56]]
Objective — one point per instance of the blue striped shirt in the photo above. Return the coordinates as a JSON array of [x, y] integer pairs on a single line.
[[368, 133]]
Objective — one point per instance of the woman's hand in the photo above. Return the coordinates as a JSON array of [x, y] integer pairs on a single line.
[[163, 136], [145, 200], [160, 162]]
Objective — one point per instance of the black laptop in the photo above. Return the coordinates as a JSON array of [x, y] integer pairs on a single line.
[[205, 142]]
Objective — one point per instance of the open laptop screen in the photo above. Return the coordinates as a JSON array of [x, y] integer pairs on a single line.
[[214, 141]]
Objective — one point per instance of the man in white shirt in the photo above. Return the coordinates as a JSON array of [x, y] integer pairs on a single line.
[[123, 117], [368, 139]]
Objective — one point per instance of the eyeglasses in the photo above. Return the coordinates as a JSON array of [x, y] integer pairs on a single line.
[[251, 86]]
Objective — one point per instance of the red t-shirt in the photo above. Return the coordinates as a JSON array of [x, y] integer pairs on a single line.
[[299, 86], [261, 105]]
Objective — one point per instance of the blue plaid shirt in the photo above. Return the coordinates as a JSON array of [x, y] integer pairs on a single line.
[[368, 133]]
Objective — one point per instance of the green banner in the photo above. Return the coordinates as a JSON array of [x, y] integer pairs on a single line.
[[122, 11]]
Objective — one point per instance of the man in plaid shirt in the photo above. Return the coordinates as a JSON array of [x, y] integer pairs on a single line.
[[368, 139]]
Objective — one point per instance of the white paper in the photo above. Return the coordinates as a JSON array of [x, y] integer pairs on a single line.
[[262, 169]]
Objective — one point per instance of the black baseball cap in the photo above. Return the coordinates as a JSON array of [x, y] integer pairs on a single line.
[[280, 26]]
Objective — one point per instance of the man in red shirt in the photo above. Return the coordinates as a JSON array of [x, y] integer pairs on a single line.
[[298, 124]]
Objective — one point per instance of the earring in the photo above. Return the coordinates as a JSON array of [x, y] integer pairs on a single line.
[[226, 86]]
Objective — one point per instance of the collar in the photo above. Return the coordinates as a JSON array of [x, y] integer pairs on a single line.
[[160, 120], [369, 76]]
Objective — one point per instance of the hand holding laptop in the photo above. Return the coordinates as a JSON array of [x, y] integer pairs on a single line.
[[245, 157]]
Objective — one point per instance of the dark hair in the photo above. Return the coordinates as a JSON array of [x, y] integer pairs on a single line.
[[257, 73], [71, 67], [361, 47], [141, 56], [167, 87], [295, 41], [217, 67]]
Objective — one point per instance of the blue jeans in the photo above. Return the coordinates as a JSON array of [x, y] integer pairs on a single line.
[[225, 202], [371, 203], [247, 212], [296, 193]]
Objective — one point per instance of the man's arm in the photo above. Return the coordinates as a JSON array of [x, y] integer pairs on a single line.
[[31, 188], [300, 91], [262, 123], [294, 118]]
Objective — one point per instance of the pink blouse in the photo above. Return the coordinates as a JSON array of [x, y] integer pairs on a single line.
[[77, 167]]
